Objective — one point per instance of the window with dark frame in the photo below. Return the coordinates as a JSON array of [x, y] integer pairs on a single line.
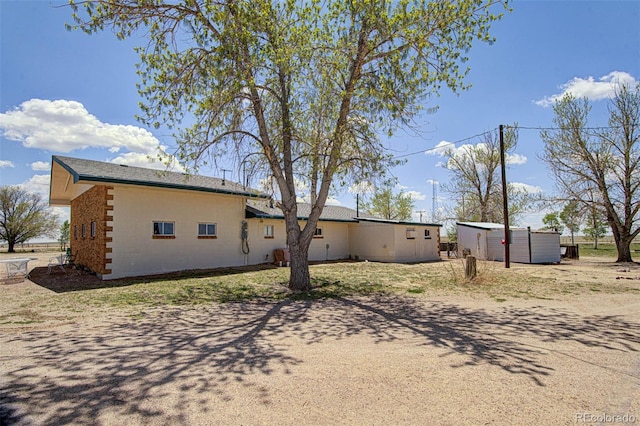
[[427, 234], [93, 229], [207, 230], [268, 231], [83, 231], [163, 229], [319, 233]]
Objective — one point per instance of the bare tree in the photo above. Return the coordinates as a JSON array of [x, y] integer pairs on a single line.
[[599, 166], [475, 183]]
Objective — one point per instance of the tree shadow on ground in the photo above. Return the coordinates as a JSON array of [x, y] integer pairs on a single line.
[[182, 354]]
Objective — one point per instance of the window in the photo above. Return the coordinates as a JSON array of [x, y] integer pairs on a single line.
[[411, 233], [75, 232], [427, 234], [268, 231], [93, 229], [84, 231], [318, 233], [207, 230], [163, 230]]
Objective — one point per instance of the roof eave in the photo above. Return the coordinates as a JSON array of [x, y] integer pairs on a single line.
[[92, 179], [98, 179], [395, 222], [279, 217]]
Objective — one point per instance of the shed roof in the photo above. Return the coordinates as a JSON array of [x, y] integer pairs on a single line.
[[69, 174], [485, 225]]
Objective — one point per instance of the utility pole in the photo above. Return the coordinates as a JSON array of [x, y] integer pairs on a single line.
[[505, 205]]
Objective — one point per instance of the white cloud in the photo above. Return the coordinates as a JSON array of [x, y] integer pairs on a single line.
[[333, 202], [6, 163], [65, 126], [524, 187], [38, 184], [149, 161], [464, 151], [603, 88], [448, 149], [41, 166], [442, 148], [305, 198], [63, 213], [433, 182], [416, 196], [516, 159]]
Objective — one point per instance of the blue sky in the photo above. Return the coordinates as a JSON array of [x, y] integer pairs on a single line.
[[72, 94]]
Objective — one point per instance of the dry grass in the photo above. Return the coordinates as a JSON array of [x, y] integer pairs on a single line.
[[28, 303]]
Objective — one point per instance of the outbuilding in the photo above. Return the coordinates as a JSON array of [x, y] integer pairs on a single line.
[[486, 241], [382, 240]]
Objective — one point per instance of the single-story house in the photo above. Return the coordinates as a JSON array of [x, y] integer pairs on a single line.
[[131, 221], [486, 241]]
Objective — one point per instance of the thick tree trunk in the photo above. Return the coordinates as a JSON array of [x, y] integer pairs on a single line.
[[11, 245], [624, 250], [623, 241], [299, 278]]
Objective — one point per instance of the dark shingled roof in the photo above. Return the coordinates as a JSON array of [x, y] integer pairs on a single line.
[[263, 209], [97, 171], [396, 222]]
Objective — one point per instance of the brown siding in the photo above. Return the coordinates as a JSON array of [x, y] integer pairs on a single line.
[[92, 207]]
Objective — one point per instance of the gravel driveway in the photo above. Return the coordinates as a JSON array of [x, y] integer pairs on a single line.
[[365, 360]]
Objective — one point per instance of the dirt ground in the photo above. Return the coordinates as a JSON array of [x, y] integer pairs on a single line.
[[446, 360]]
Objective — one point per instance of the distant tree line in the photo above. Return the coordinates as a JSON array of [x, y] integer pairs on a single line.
[[574, 218]]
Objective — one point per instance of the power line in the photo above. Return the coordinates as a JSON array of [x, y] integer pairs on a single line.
[[563, 128], [539, 128], [424, 151]]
